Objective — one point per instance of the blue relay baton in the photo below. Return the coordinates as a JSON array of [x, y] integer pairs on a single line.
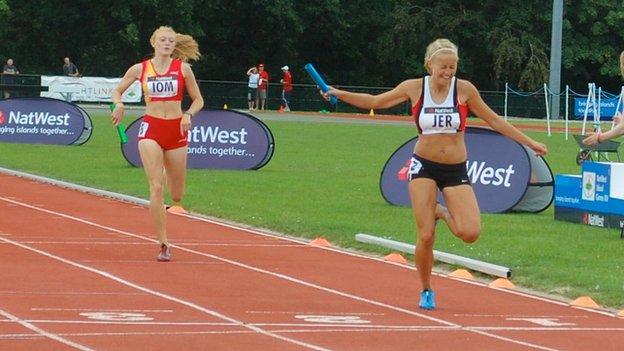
[[319, 81], [123, 138]]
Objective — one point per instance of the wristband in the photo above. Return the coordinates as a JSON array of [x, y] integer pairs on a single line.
[[598, 137], [188, 113]]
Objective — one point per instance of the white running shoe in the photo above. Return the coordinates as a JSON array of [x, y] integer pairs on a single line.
[[165, 253]]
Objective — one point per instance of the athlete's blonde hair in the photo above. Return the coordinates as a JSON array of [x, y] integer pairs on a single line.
[[439, 46], [186, 47]]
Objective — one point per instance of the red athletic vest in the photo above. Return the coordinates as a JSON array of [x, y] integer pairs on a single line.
[[162, 87]]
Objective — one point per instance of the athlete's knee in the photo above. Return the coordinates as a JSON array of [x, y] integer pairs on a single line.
[[157, 189], [426, 238], [469, 234]]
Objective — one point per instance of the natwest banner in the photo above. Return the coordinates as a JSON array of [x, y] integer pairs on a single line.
[[498, 167], [43, 121], [218, 139]]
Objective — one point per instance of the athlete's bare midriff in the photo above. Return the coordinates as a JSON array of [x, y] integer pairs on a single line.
[[442, 148], [164, 109]]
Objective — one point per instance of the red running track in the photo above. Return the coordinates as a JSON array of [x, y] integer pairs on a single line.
[[79, 273]]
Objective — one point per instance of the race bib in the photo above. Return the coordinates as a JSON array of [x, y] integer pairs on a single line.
[[162, 87]]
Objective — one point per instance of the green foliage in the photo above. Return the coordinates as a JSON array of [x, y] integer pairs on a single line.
[[354, 42]]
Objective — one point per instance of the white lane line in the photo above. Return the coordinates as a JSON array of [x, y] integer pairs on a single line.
[[18, 292], [224, 332], [518, 315], [320, 313], [65, 321], [97, 309], [283, 276], [165, 296], [550, 328], [43, 332], [502, 338], [242, 265], [86, 242]]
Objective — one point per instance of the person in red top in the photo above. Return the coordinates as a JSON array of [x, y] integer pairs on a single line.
[[263, 85], [286, 88], [163, 134], [440, 104]]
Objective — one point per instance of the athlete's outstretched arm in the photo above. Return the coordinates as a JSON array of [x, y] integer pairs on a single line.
[[367, 101], [483, 111]]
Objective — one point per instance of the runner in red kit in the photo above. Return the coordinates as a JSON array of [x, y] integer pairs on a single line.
[[163, 134], [263, 85], [286, 88]]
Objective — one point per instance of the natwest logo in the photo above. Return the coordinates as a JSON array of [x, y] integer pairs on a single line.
[[38, 118], [214, 134], [478, 172], [1, 117], [593, 219]]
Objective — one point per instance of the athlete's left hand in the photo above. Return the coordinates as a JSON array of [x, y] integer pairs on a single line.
[[185, 124], [539, 148]]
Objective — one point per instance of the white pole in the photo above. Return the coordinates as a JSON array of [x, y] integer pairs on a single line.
[[617, 107], [547, 109], [506, 87], [589, 97], [567, 110], [598, 112]]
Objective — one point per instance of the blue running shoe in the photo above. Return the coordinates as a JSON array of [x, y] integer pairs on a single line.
[[427, 300]]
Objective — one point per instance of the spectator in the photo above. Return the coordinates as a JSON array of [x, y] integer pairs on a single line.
[[252, 88], [286, 88], [598, 137], [8, 76], [69, 69], [263, 84]]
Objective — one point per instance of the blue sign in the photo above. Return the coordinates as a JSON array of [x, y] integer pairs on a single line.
[[498, 167], [595, 197], [607, 108], [218, 139], [43, 121]]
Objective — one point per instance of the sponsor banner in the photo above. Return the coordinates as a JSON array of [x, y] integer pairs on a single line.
[[43, 121], [498, 167], [600, 189], [594, 197], [568, 190], [593, 219], [219, 139], [93, 89], [607, 108]]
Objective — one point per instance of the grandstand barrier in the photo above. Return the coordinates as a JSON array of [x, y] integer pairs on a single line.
[[305, 97], [505, 175]]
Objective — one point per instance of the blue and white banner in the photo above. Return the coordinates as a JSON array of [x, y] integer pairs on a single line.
[[43, 121], [498, 167], [607, 108], [218, 139], [594, 197]]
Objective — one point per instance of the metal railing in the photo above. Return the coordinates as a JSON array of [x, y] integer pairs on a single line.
[[304, 97]]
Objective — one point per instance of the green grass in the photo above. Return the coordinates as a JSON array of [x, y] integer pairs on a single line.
[[324, 181]]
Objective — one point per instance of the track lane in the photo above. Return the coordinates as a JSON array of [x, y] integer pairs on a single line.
[[315, 266]]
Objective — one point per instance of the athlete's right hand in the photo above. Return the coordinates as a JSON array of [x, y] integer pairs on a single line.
[[331, 92], [117, 114]]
